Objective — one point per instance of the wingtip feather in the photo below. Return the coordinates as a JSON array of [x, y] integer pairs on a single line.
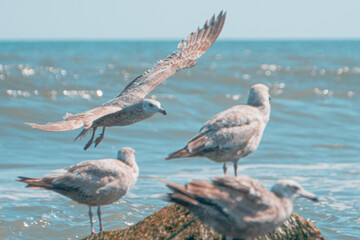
[[191, 48], [33, 125]]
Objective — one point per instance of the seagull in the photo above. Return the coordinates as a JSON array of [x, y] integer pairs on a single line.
[[233, 133], [239, 207], [131, 106], [94, 182]]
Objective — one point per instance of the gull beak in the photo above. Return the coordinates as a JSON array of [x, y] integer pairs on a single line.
[[308, 195], [162, 111]]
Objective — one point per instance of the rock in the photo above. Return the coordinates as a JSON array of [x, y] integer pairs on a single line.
[[176, 222]]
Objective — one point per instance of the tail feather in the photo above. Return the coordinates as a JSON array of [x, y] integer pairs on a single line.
[[34, 182], [65, 125], [182, 199], [179, 154], [180, 195], [195, 195], [194, 146], [82, 133], [198, 143]]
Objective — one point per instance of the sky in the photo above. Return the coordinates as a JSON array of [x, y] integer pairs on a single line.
[[173, 20]]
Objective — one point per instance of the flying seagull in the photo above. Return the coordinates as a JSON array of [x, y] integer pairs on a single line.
[[239, 207], [131, 106], [233, 133], [94, 182]]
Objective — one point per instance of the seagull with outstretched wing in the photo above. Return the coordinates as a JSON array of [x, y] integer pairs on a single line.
[[131, 106]]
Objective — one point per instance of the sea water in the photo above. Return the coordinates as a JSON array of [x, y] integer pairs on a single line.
[[312, 136]]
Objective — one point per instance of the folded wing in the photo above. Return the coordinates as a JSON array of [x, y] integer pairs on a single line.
[[227, 202], [85, 178], [231, 129]]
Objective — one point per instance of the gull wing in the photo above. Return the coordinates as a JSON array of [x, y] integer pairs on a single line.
[[236, 116], [189, 49], [232, 128], [225, 203], [75, 121], [89, 176], [225, 191], [234, 137], [252, 192]]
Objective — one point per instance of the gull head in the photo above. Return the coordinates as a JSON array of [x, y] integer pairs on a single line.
[[291, 190], [127, 155], [259, 95], [152, 106]]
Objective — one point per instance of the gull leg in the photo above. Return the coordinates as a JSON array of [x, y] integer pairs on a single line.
[[225, 169], [91, 139], [100, 138], [91, 221], [82, 134], [235, 167], [99, 216]]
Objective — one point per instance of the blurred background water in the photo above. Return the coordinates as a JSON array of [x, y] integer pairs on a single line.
[[312, 136]]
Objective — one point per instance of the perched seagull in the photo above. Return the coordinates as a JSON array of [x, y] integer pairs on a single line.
[[239, 207], [233, 133], [131, 106], [93, 182]]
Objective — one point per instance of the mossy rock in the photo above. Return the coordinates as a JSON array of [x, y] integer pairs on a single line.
[[176, 222]]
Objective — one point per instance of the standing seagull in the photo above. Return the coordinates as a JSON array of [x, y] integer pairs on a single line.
[[131, 106], [233, 133], [239, 207], [93, 182]]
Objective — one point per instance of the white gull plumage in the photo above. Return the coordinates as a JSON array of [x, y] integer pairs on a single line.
[[239, 207], [93, 182], [233, 133], [131, 106]]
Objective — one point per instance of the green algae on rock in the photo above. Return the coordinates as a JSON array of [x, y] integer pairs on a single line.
[[176, 222]]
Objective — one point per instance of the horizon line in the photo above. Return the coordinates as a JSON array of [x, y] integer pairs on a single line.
[[170, 39]]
